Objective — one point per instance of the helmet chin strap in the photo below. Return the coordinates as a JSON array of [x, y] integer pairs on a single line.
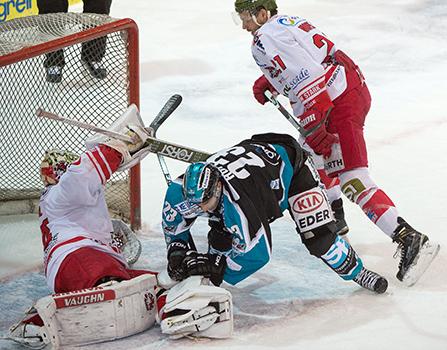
[[253, 17]]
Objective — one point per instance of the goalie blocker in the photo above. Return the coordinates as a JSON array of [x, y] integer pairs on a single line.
[[116, 310]]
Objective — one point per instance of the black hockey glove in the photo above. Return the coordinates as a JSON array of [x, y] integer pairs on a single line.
[[211, 266], [176, 254]]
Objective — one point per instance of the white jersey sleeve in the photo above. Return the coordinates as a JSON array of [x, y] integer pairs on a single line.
[[294, 57]]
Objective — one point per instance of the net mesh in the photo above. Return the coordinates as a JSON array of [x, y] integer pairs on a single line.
[[94, 88]]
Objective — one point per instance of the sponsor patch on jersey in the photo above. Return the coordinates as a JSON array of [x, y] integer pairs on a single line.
[[187, 209], [290, 21], [299, 78], [307, 202], [268, 154], [310, 209], [258, 43]]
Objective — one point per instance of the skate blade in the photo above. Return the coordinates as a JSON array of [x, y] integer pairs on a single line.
[[426, 255]]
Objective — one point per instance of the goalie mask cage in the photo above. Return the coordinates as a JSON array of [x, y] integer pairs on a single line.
[[30, 45]]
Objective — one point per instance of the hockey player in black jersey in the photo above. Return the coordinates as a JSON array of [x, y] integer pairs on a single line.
[[242, 189]]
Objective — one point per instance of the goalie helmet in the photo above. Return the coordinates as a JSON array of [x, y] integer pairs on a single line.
[[200, 182], [253, 5], [54, 164]]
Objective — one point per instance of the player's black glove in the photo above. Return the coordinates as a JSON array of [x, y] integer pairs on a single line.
[[211, 266], [176, 254]]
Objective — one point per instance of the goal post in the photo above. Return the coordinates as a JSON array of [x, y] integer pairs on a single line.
[[29, 46]]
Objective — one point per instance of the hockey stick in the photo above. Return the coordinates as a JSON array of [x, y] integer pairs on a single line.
[[290, 118], [154, 145], [285, 113], [44, 114], [169, 107]]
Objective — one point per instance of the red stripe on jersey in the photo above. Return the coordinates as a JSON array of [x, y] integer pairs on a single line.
[[102, 161], [101, 176], [113, 156], [72, 240]]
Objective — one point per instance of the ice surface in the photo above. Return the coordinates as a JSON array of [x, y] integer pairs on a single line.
[[193, 48]]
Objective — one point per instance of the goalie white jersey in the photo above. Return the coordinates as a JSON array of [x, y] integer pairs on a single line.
[[297, 60], [73, 213]]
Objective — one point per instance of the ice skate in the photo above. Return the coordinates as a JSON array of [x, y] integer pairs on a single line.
[[54, 74], [416, 252], [95, 69], [371, 280]]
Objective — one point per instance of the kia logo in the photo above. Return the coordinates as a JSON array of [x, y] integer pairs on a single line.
[[308, 202]]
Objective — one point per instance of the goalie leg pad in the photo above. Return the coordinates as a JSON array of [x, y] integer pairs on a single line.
[[110, 311], [196, 309]]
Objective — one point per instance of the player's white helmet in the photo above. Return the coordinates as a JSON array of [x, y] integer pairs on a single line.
[[54, 164]]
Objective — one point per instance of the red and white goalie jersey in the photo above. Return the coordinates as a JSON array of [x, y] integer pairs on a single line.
[[296, 58], [73, 213]]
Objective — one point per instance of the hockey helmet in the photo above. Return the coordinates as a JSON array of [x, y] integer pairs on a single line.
[[54, 164], [200, 182], [253, 5]]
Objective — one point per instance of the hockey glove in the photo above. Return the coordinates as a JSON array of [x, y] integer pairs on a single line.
[[138, 135], [260, 86], [211, 266], [176, 254], [318, 138]]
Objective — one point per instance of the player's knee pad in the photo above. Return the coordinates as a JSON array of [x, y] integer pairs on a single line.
[[320, 239], [196, 309], [356, 183], [110, 311]]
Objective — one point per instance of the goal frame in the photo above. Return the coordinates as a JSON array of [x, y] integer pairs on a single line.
[[131, 28]]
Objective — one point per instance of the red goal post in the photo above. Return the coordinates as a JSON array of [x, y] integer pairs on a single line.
[[27, 47]]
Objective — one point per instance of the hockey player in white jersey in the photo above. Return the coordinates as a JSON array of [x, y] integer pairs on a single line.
[[329, 96], [98, 297]]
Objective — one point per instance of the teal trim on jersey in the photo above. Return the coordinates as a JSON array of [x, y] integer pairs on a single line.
[[250, 261], [286, 176], [171, 218]]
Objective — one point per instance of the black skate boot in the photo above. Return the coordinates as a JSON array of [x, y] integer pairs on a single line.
[[340, 223], [95, 69], [416, 252], [54, 74], [371, 280]]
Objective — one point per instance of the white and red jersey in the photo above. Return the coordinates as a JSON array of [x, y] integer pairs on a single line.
[[295, 57], [73, 213]]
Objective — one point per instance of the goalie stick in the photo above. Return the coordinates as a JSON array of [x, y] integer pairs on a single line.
[[169, 107], [154, 145]]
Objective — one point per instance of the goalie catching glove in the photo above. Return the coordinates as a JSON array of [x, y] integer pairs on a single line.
[[129, 124], [184, 262]]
